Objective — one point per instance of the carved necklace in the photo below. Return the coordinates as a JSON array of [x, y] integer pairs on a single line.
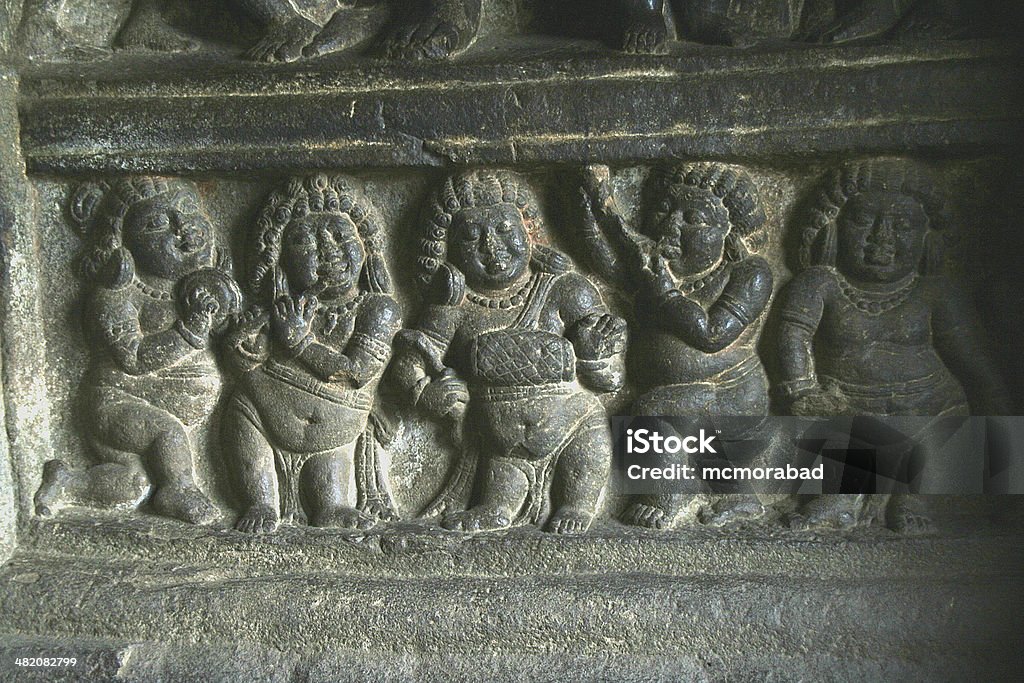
[[334, 314], [152, 292], [876, 303], [692, 286], [509, 301]]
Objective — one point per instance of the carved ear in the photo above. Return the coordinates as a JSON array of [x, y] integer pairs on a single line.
[[934, 253], [375, 274], [823, 251], [119, 269], [448, 287], [735, 248]]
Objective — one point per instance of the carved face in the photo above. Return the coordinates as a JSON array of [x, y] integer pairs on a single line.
[[881, 236], [322, 252], [490, 246], [702, 223], [169, 235]]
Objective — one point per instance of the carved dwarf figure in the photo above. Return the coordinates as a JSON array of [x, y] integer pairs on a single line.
[[870, 326], [156, 297], [503, 352], [301, 423], [700, 296]]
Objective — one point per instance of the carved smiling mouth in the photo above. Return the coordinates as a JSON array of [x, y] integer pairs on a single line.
[[498, 263], [879, 255]]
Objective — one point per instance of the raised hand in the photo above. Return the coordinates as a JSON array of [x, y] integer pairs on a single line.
[[291, 318], [599, 336]]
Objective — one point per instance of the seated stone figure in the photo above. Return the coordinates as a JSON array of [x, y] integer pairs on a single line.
[[870, 326], [156, 297], [301, 424], [700, 299], [505, 352]]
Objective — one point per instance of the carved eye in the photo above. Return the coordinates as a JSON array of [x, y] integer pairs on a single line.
[[472, 233], [158, 222], [504, 227]]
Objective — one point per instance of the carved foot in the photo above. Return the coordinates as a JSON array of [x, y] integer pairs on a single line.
[[259, 519], [379, 510], [907, 519], [187, 503], [447, 29], [828, 512], [646, 33], [646, 516], [336, 35], [569, 521], [477, 519], [344, 518], [731, 511], [149, 31], [56, 479], [284, 41]]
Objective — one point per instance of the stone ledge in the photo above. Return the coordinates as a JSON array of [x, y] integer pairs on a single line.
[[202, 115]]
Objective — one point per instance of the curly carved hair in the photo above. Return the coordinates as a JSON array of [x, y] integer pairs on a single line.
[[733, 187], [467, 190], [902, 176], [97, 211], [320, 193]]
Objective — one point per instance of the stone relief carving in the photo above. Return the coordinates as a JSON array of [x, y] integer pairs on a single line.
[[700, 297], [157, 292], [510, 352], [302, 424], [870, 325]]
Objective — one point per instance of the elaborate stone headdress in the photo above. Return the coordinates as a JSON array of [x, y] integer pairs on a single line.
[[735, 188], [467, 190], [902, 176], [320, 193], [97, 211]]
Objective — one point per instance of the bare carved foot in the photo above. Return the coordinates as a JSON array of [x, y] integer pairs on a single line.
[[259, 519], [734, 511], [646, 32], [906, 518], [646, 516], [284, 40], [829, 512], [569, 521], [476, 519], [146, 29], [343, 517], [186, 503], [336, 35], [449, 27]]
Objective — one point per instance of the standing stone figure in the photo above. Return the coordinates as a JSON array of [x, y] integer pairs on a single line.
[[509, 352], [870, 326], [156, 297], [301, 424], [700, 299]]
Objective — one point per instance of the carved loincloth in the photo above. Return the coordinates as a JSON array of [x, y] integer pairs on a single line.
[[936, 394]]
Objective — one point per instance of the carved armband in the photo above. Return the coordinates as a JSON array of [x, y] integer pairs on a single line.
[[376, 349], [736, 309]]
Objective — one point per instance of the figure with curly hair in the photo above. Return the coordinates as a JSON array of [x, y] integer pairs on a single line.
[[870, 326], [700, 298], [510, 351], [156, 296], [302, 424]]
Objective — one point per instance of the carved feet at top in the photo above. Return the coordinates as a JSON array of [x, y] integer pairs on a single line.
[[443, 29]]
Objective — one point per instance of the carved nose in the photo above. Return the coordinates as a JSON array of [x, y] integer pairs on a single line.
[[490, 245], [883, 232]]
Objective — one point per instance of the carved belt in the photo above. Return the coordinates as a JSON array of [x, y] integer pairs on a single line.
[[916, 386], [355, 399], [494, 394]]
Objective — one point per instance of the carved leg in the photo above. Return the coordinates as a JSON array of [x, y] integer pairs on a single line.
[[286, 31], [170, 462], [867, 19], [326, 485], [255, 461], [580, 478], [646, 30], [147, 29], [110, 485], [505, 489], [444, 29]]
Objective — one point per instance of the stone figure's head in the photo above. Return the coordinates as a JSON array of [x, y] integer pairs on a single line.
[[482, 223], [700, 213], [323, 233], [151, 225], [876, 221]]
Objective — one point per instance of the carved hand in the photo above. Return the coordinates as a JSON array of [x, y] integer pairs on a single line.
[[599, 336], [656, 277], [446, 396], [291, 317], [201, 308]]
